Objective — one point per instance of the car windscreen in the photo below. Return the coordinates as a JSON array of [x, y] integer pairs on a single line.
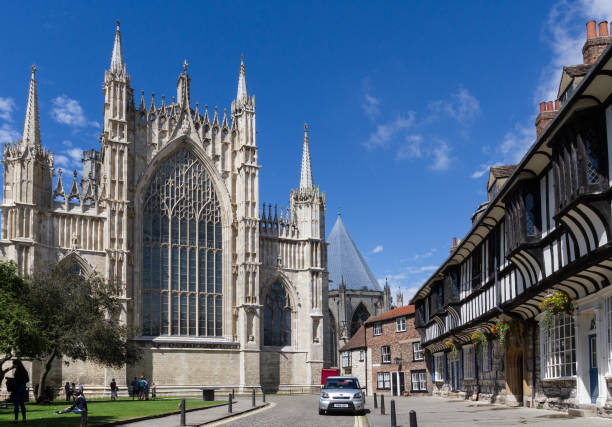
[[348, 383]]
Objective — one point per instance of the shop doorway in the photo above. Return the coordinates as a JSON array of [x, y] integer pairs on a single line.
[[514, 376]]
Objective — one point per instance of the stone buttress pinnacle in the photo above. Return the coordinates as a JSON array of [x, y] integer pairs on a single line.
[[242, 88], [117, 65], [306, 182], [31, 127]]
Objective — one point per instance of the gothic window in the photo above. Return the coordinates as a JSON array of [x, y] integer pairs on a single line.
[[75, 269], [360, 315], [277, 317], [181, 275]]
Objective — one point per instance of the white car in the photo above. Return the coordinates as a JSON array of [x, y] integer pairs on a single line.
[[341, 394]]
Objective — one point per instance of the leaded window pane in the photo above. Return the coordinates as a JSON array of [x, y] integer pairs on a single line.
[[182, 269], [277, 317]]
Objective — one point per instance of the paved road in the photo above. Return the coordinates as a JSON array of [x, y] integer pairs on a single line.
[[295, 411], [301, 411]]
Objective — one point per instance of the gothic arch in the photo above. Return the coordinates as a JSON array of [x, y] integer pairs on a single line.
[[281, 277], [360, 315], [73, 258], [279, 315], [226, 217]]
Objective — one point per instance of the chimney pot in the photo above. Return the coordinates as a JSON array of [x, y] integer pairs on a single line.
[[549, 106], [556, 105], [591, 30], [542, 107], [603, 29]]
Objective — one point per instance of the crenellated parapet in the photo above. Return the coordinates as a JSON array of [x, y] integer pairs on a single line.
[[282, 226]]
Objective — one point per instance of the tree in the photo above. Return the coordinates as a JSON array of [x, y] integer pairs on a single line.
[[79, 317], [20, 334]]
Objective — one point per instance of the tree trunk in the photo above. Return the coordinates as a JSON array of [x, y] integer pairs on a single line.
[[43, 376]]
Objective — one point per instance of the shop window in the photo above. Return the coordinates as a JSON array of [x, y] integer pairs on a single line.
[[419, 380], [559, 348]]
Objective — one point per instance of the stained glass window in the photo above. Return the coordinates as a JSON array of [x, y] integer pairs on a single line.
[[182, 275], [277, 317]]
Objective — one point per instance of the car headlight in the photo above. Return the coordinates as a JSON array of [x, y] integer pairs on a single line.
[[324, 395], [357, 395]]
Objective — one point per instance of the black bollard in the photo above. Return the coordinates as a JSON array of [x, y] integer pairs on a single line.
[[375, 401], [229, 403], [413, 420], [253, 397], [183, 412], [263, 396], [382, 404], [393, 419]]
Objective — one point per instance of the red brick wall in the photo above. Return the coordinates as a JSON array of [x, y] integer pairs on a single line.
[[400, 344]]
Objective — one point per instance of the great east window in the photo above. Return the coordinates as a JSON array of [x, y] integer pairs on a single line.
[[182, 280]]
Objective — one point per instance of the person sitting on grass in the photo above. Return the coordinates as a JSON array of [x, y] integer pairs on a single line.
[[79, 406]]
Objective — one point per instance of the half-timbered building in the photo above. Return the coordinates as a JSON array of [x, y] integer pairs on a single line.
[[545, 228]]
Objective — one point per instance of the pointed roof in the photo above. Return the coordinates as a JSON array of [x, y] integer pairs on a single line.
[[306, 172], [117, 65], [31, 126], [345, 262], [242, 88]]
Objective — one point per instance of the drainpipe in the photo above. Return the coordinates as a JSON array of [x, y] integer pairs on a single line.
[[533, 360]]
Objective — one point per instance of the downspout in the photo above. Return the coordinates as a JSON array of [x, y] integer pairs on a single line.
[[533, 361]]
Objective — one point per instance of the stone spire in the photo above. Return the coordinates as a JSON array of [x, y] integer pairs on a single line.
[[31, 127], [242, 88], [117, 65], [306, 174]]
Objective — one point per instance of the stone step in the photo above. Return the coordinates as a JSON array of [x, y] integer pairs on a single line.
[[583, 410]]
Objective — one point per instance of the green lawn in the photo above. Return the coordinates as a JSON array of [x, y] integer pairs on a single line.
[[99, 411]]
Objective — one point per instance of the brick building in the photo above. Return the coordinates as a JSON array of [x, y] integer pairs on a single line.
[[397, 362]]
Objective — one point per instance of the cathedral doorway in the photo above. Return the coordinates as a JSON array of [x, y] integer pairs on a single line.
[[514, 376]]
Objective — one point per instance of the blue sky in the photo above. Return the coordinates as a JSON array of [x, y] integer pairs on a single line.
[[408, 103]]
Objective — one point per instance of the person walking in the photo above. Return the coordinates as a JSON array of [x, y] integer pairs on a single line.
[[20, 379], [134, 388], [113, 387], [79, 406], [67, 391], [80, 387], [72, 389], [153, 390], [141, 388]]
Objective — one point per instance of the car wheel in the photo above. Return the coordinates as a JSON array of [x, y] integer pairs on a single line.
[[321, 412]]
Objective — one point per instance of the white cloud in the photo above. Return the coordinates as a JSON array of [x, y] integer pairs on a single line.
[[424, 255], [370, 106], [441, 157], [377, 249], [7, 106], [461, 106], [565, 33], [411, 149], [8, 134], [68, 111], [513, 147], [70, 158], [386, 131]]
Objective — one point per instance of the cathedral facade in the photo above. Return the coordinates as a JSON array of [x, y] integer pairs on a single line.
[[218, 289]]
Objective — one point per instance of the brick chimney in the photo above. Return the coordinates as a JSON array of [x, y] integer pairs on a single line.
[[454, 245], [547, 113], [595, 43]]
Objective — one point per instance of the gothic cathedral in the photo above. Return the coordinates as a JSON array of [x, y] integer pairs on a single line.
[[217, 291]]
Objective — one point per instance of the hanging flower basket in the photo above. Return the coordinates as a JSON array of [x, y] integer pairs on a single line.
[[480, 339], [452, 346], [555, 303], [502, 331]]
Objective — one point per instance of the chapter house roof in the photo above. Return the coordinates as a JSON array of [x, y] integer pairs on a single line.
[[346, 264], [404, 310], [356, 341]]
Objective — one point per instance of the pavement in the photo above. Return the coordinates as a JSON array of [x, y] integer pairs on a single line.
[[302, 411], [204, 416]]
